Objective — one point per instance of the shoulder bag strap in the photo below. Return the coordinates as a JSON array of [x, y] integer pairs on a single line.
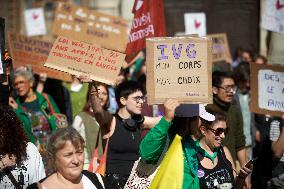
[[102, 166], [48, 102], [12, 178]]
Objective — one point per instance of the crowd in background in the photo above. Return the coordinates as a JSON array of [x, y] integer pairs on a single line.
[[116, 118]]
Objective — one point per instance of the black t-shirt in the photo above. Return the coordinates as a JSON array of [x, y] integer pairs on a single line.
[[123, 149], [220, 175]]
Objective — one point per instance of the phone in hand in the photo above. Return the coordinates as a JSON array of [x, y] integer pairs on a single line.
[[250, 162]]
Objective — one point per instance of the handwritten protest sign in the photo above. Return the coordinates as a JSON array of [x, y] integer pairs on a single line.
[[180, 68], [267, 83], [28, 50], [221, 51], [78, 58], [90, 26]]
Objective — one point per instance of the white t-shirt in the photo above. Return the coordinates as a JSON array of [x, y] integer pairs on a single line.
[[87, 183], [30, 170]]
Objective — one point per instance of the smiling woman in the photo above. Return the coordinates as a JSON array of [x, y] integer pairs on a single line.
[[66, 151]]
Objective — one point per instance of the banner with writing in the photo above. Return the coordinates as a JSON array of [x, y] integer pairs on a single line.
[[78, 58], [221, 50], [267, 82], [180, 68], [27, 50], [149, 21], [90, 26]]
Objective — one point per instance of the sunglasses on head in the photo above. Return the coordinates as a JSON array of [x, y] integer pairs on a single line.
[[219, 131]]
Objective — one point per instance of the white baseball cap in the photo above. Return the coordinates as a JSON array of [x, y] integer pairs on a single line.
[[190, 110]]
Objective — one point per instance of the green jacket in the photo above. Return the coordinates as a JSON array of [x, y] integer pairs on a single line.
[[153, 144], [43, 106], [235, 139]]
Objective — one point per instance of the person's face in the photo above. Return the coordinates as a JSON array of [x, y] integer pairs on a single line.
[[246, 57], [119, 79], [215, 135], [225, 92], [22, 85], [134, 102], [244, 87], [103, 95], [69, 161], [259, 61]]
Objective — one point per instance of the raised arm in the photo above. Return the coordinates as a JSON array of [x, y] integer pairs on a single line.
[[154, 142]]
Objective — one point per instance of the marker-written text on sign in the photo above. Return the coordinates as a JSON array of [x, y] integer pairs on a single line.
[[271, 90], [188, 62], [84, 53]]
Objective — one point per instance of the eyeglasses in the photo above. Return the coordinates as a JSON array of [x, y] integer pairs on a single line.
[[229, 88], [219, 131], [139, 98]]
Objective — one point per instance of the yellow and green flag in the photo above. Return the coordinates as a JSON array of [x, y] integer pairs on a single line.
[[170, 173]]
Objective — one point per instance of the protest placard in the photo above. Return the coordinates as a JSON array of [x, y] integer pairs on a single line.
[[28, 50], [273, 16], [90, 26], [79, 58], [267, 89], [35, 22], [221, 51], [179, 68], [195, 23]]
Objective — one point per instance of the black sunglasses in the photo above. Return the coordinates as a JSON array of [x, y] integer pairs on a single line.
[[219, 131]]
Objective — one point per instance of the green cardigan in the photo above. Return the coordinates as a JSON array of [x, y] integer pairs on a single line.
[[26, 120], [153, 144]]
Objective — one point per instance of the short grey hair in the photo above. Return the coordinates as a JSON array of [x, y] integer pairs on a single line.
[[23, 71]]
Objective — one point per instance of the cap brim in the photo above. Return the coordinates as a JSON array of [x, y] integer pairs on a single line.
[[207, 116]]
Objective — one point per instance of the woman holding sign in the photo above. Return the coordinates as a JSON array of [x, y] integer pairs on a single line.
[[207, 164]]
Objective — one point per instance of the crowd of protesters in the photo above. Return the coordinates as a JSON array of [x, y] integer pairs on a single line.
[[221, 140]]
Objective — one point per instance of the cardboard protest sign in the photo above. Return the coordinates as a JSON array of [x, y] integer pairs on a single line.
[[273, 16], [195, 23], [35, 22], [78, 58], [90, 26], [2, 43], [267, 92], [180, 68], [28, 50], [221, 51]]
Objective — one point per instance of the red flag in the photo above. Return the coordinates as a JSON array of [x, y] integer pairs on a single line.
[[149, 21]]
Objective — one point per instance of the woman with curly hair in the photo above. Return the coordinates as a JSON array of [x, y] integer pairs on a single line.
[[20, 161]]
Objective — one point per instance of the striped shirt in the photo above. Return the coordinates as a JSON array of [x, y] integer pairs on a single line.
[[274, 133]]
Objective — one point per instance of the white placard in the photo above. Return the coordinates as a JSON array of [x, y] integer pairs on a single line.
[[35, 22], [195, 23], [273, 16], [271, 90]]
